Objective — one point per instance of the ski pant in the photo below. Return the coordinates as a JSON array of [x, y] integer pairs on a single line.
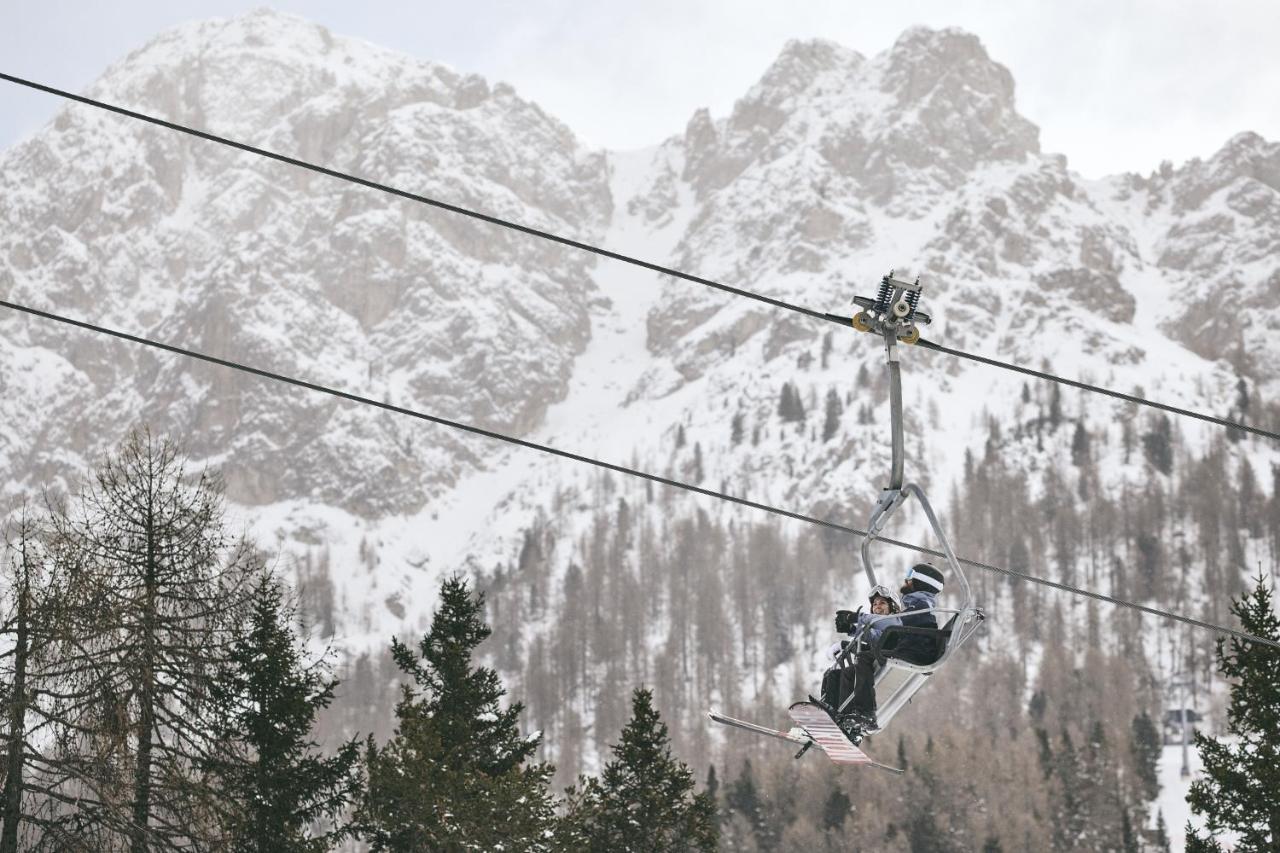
[[859, 680]]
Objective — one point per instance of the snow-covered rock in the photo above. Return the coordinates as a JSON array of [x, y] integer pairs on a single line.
[[196, 244]]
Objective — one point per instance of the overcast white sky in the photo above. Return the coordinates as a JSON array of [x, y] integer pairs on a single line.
[[1116, 86]]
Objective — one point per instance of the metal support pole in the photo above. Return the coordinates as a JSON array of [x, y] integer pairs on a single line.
[[895, 408], [892, 496], [1186, 764]]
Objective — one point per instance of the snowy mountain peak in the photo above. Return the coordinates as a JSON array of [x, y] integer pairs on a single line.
[[1248, 155], [242, 74], [310, 276], [831, 169], [922, 58], [802, 66], [958, 99]]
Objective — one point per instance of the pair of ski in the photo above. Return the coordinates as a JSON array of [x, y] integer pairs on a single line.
[[819, 728]]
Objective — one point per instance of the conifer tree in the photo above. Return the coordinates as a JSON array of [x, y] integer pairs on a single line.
[[1080, 445], [25, 631], [835, 809], [1070, 817], [44, 685], [1162, 833], [1238, 791], [1157, 444], [785, 405], [924, 835], [277, 783], [1128, 842], [712, 791], [831, 421], [1272, 521], [148, 621], [455, 776], [644, 800], [1055, 406], [743, 796], [1146, 752], [790, 406]]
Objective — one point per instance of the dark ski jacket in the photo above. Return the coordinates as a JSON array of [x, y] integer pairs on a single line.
[[925, 648]]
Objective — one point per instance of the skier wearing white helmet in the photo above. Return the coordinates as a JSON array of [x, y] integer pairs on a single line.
[[884, 604], [920, 591]]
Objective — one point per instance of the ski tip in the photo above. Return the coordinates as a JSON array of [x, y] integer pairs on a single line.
[[897, 771]]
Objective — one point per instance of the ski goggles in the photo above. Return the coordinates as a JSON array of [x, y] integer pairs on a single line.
[[881, 591]]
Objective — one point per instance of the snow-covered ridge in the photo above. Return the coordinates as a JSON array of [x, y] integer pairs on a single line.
[[144, 229]]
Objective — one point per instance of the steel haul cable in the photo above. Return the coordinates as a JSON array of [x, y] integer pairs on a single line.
[[621, 469], [1119, 395], [405, 194], [606, 253]]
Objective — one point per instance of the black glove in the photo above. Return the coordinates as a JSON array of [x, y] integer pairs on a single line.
[[846, 620]]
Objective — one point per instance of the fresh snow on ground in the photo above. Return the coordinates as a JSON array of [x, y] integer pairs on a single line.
[[1172, 801]]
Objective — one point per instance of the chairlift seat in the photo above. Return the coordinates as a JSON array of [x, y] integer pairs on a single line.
[[898, 680], [888, 639]]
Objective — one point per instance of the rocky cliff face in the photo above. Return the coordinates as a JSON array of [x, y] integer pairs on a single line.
[[825, 159], [1219, 241], [835, 167], [143, 229]]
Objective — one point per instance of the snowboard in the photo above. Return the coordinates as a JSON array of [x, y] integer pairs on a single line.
[[824, 731]]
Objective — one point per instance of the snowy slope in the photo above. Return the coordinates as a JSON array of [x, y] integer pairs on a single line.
[[1172, 802]]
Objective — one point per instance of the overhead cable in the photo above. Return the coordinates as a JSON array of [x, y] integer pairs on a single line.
[[621, 469], [405, 194], [597, 250], [1097, 389]]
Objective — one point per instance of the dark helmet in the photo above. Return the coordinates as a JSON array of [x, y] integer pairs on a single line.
[[926, 575]]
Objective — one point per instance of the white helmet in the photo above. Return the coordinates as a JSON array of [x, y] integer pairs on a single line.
[[882, 591]]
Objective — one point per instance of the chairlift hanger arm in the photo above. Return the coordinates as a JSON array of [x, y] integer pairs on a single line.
[[893, 315]]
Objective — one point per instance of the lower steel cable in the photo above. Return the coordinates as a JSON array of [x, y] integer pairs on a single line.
[[621, 469]]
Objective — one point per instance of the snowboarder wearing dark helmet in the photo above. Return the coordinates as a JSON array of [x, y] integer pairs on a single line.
[[920, 591]]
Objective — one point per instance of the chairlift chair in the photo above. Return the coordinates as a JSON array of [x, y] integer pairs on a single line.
[[893, 315]]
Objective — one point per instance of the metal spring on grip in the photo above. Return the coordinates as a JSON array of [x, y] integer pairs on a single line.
[[913, 298], [882, 298]]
